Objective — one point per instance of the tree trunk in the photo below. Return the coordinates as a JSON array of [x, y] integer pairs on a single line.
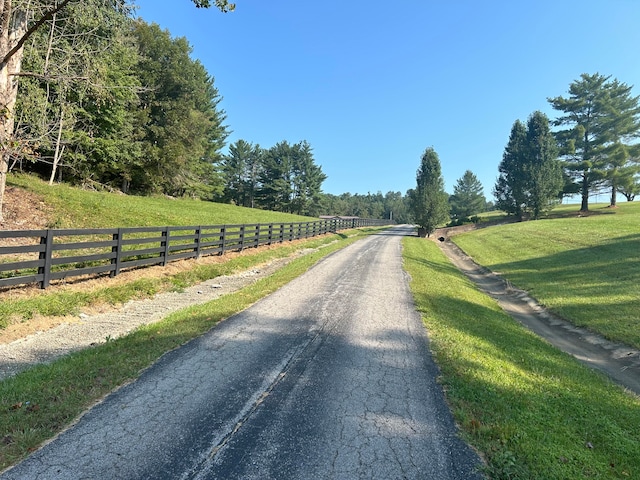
[[58, 153], [12, 31], [585, 192]]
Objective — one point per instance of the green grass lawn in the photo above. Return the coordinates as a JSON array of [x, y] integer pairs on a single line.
[[584, 268], [77, 208], [532, 411]]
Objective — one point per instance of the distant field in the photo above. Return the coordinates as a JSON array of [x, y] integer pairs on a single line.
[[585, 268], [75, 208]]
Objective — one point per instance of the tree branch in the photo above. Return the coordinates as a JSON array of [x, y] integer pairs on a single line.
[[47, 16]]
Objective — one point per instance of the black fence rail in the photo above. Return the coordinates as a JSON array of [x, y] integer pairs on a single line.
[[40, 256]]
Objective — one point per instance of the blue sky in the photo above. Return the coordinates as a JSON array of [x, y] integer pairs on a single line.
[[371, 84]]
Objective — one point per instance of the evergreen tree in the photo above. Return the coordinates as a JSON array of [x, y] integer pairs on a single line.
[[307, 178], [468, 198], [430, 202], [530, 177], [290, 181], [510, 188], [601, 114], [179, 120], [275, 178], [240, 169], [629, 186], [543, 171], [621, 154]]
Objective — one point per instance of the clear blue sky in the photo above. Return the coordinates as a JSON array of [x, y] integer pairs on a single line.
[[371, 84]]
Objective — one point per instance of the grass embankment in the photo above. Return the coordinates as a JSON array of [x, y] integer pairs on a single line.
[[70, 207], [533, 411], [59, 392], [586, 269], [76, 208]]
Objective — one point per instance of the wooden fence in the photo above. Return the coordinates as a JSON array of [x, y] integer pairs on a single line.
[[39, 256]]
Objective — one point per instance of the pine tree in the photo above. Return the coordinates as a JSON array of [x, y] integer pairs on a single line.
[[530, 177], [600, 115], [468, 198], [430, 202], [543, 171], [510, 188]]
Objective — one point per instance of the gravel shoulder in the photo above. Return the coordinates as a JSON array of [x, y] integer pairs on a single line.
[[87, 330]]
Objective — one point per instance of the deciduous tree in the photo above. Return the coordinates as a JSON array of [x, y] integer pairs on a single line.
[[19, 20]]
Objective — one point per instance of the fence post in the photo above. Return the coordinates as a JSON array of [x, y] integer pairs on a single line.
[[165, 243], [257, 236], [222, 238], [270, 233], [241, 237], [45, 270], [198, 239], [117, 249]]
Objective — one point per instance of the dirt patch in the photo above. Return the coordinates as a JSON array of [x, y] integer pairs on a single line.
[[23, 210], [620, 362]]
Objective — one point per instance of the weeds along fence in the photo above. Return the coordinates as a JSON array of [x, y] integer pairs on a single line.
[[40, 256]]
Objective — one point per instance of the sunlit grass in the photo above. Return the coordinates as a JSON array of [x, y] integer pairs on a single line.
[[531, 410], [586, 269], [77, 208]]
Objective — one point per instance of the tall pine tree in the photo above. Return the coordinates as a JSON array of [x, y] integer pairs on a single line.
[[530, 177], [543, 171], [510, 188], [601, 115], [468, 198], [430, 202]]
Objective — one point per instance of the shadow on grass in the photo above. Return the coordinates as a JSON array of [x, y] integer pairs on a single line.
[[594, 286], [517, 397]]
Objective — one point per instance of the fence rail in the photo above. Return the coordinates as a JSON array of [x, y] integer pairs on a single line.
[[57, 254]]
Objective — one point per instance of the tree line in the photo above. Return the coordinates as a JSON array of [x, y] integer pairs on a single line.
[[109, 101], [91, 95], [594, 147]]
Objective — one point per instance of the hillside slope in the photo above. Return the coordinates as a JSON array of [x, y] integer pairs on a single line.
[[31, 203]]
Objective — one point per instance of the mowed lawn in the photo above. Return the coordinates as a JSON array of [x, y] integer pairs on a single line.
[[584, 268], [532, 411]]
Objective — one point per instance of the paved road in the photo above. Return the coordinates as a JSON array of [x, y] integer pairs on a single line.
[[330, 377]]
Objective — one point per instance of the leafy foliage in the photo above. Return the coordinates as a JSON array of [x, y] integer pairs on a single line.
[[122, 105]]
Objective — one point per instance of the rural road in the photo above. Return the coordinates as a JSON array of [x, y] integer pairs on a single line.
[[330, 377]]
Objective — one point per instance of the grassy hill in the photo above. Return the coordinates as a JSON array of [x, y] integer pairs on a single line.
[[586, 268], [68, 207]]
